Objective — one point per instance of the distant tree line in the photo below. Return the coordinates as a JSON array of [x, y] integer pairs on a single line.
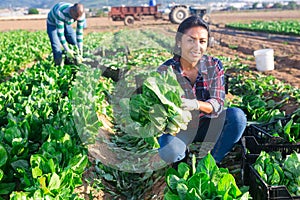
[[292, 5], [33, 11]]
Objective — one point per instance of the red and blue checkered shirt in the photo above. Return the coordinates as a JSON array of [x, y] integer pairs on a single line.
[[209, 85]]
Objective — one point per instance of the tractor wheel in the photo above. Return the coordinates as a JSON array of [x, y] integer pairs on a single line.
[[178, 14], [206, 18], [129, 20]]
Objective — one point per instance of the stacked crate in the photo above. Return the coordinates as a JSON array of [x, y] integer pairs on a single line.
[[257, 138]]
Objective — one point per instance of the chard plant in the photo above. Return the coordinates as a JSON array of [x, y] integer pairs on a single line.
[[276, 170], [204, 181]]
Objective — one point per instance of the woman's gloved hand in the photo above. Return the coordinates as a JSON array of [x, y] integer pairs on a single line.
[[190, 104]]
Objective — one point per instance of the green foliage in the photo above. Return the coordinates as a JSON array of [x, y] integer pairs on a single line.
[[125, 185], [44, 156], [255, 5], [277, 171], [207, 182], [277, 5], [292, 5], [3, 156], [260, 96], [84, 107], [41, 153], [287, 128], [157, 109], [100, 13], [33, 11], [287, 27], [232, 8], [13, 56]]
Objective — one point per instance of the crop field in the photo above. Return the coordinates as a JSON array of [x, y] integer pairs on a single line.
[[89, 131]]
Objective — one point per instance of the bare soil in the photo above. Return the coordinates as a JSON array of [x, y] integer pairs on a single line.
[[286, 49]]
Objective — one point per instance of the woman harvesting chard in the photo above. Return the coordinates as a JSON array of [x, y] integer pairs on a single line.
[[202, 79]]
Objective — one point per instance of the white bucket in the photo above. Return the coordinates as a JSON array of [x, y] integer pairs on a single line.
[[264, 59]]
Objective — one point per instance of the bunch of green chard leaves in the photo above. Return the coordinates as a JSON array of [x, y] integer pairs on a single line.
[[157, 109], [206, 181]]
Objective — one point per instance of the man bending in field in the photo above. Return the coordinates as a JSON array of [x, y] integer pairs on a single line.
[[60, 30]]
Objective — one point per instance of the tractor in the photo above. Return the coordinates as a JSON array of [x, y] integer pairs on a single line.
[[177, 14], [180, 12]]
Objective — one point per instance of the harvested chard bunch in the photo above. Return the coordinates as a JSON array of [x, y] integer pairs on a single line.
[[157, 109]]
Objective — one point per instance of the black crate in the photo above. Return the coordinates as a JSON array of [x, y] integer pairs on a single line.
[[264, 133], [251, 146], [259, 190], [251, 149]]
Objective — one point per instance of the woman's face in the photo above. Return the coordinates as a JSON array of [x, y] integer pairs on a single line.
[[193, 44]]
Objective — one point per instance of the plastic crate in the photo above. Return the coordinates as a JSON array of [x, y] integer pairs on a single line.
[[259, 190], [251, 149], [264, 132]]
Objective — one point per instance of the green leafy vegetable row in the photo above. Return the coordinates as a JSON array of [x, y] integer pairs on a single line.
[[261, 97], [18, 48], [288, 27]]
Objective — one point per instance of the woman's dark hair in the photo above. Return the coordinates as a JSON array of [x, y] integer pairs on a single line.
[[192, 21]]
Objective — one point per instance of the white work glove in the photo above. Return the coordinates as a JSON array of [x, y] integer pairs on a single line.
[[190, 104], [71, 54]]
